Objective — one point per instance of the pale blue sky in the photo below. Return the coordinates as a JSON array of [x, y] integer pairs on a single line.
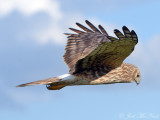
[[32, 45]]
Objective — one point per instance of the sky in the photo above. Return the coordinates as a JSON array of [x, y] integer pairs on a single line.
[[32, 45]]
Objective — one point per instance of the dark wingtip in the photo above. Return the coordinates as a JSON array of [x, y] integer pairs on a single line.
[[86, 21], [134, 36], [133, 32], [124, 27], [103, 30], [78, 23], [99, 26], [116, 30], [67, 33]]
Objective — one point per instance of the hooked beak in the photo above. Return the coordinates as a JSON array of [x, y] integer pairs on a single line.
[[137, 80]]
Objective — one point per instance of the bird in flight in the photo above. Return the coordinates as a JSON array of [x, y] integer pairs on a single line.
[[94, 58]]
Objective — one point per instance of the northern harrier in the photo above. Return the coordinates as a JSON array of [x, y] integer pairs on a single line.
[[94, 57]]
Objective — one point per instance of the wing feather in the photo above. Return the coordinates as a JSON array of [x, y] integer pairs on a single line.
[[81, 44], [77, 31], [126, 31], [92, 26], [119, 34], [109, 54], [93, 50], [134, 36], [83, 27], [102, 30]]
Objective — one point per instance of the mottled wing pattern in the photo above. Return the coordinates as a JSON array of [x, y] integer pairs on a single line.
[[108, 55], [81, 44]]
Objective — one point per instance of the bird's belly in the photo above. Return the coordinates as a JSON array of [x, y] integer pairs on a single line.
[[89, 82]]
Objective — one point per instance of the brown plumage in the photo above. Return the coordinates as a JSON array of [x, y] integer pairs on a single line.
[[94, 57]]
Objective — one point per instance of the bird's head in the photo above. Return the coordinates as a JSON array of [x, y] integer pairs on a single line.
[[137, 77]]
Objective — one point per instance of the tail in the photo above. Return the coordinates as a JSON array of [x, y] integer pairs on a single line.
[[54, 83]]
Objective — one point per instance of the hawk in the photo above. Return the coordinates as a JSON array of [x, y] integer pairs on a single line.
[[94, 57]]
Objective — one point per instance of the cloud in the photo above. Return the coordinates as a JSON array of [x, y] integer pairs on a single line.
[[53, 30], [53, 33], [30, 7]]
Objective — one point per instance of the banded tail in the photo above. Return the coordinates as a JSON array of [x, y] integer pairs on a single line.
[[54, 83]]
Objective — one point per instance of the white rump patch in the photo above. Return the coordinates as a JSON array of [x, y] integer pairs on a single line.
[[67, 77]]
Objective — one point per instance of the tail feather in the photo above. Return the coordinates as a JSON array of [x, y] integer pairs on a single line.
[[45, 81], [55, 83]]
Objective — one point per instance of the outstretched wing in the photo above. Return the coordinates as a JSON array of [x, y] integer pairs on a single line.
[[108, 55], [81, 44], [97, 52]]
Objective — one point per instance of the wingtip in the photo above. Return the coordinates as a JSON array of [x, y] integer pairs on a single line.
[[86, 21], [71, 29], [67, 33], [133, 32], [100, 26], [124, 27], [77, 23], [116, 30], [134, 35]]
